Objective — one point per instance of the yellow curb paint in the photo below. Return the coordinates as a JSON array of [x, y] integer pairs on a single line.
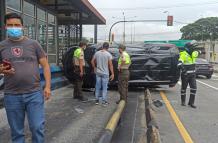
[[184, 133]]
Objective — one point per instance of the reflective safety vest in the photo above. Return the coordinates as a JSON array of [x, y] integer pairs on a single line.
[[77, 53], [77, 56], [127, 60], [187, 59]]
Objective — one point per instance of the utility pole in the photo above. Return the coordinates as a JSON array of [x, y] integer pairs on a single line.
[[124, 28], [131, 21]]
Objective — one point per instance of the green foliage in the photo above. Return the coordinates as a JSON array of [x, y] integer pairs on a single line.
[[202, 29]]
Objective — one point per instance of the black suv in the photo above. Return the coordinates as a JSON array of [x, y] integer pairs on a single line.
[[152, 64]]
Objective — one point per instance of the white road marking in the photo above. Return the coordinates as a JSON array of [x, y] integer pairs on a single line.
[[214, 75], [207, 85]]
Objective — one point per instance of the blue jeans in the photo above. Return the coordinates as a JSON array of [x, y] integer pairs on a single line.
[[33, 105], [101, 87]]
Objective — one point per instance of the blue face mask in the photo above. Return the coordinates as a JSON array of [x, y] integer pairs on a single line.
[[14, 32]]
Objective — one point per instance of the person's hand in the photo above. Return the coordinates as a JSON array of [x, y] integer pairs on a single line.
[[119, 69], [47, 93], [81, 74], [179, 65], [112, 77], [4, 70]]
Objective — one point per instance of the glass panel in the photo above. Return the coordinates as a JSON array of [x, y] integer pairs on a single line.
[[29, 27], [28, 8], [51, 39], [40, 14], [52, 58], [13, 4], [51, 18], [42, 34]]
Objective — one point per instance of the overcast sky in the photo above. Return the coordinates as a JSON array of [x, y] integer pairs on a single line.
[[185, 11]]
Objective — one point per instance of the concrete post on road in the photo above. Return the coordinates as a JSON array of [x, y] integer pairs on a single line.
[[153, 135], [112, 124]]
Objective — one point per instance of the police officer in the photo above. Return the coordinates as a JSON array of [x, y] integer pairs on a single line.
[[187, 65], [123, 76], [79, 64]]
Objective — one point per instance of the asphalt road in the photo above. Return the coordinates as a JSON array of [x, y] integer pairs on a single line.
[[177, 124], [186, 125]]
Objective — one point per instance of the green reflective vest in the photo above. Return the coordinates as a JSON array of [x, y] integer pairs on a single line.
[[127, 58], [77, 52], [187, 59]]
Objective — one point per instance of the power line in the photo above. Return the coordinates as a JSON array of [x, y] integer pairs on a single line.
[[161, 7]]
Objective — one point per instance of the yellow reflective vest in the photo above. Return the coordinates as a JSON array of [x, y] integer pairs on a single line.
[[127, 60], [187, 59]]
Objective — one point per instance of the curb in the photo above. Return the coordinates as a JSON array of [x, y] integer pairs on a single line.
[[112, 124], [153, 135]]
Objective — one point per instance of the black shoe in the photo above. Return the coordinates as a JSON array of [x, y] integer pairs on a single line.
[[105, 103], [83, 99], [183, 104], [192, 105], [117, 102], [75, 97], [96, 102]]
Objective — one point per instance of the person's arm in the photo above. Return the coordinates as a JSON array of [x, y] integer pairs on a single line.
[[93, 63], [3, 70], [111, 69], [81, 61], [47, 75], [123, 61]]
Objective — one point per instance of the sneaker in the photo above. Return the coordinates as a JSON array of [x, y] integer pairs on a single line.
[[96, 102], [105, 103]]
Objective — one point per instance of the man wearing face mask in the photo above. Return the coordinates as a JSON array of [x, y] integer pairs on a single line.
[[187, 65], [20, 59], [79, 64]]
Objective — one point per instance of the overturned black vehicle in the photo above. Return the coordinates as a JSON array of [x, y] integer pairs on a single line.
[[152, 65]]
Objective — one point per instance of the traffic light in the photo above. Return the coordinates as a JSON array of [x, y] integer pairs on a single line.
[[169, 20], [112, 37]]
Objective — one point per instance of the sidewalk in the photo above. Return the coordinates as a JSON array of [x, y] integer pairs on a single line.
[[69, 120], [215, 66]]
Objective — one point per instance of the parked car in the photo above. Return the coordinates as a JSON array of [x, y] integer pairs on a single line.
[[152, 64], [203, 67]]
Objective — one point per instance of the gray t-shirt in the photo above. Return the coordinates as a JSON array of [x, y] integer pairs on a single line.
[[24, 57], [102, 58]]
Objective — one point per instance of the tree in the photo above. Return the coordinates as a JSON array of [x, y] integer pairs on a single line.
[[202, 29]]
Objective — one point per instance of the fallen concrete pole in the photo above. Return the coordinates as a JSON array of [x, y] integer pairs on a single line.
[[112, 124]]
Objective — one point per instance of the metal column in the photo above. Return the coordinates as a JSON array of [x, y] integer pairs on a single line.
[[2, 13], [95, 33], [80, 32]]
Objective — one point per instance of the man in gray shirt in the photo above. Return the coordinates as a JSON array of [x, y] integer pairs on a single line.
[[20, 59], [102, 62]]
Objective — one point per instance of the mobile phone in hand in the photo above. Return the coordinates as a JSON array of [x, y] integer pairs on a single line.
[[6, 63]]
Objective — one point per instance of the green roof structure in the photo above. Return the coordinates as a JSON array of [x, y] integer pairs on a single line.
[[178, 43]]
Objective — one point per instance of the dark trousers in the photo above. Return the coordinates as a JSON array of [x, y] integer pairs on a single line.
[[123, 79], [78, 82], [188, 79]]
